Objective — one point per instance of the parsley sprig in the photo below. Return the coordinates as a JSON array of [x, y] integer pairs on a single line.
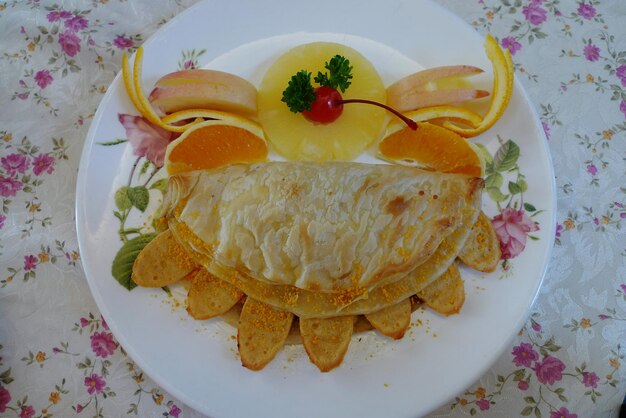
[[340, 74], [300, 94]]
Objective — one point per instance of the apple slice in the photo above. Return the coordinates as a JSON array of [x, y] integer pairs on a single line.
[[419, 80], [419, 99], [204, 89], [420, 89], [503, 80]]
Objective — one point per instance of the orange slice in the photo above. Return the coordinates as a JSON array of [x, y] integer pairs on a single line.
[[503, 75], [433, 148], [214, 143], [447, 112], [132, 83], [128, 82], [196, 114]]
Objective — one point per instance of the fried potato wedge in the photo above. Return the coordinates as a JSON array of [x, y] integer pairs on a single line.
[[162, 262], [326, 340], [482, 248], [261, 334], [209, 296], [445, 295], [392, 321]]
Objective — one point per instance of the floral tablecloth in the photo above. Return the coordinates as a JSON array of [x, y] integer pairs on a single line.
[[57, 355]]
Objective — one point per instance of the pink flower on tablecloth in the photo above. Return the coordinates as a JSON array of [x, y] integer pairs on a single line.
[[5, 398], [622, 107], [43, 78], [536, 326], [94, 383], [586, 11], [590, 379], [79, 408], [511, 44], [23, 96], [76, 23], [27, 411], [30, 262], [123, 42], [512, 227], [592, 169], [103, 344], [623, 287], [15, 163], [43, 162], [84, 322], [483, 404], [9, 187], [70, 43], [603, 317], [620, 72], [175, 411], [147, 140], [534, 13], [522, 385], [562, 413], [559, 229], [591, 52], [549, 370], [2, 219], [56, 15], [524, 355]]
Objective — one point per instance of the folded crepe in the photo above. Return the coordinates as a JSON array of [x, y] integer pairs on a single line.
[[322, 240]]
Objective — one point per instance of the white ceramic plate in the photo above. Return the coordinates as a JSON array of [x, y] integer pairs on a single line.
[[196, 360]]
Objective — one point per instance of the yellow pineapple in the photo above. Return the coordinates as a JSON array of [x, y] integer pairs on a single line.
[[295, 137]]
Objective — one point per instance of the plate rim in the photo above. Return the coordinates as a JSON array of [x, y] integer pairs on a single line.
[[82, 235]]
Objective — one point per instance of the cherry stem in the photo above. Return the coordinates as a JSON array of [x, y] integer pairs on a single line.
[[410, 123]]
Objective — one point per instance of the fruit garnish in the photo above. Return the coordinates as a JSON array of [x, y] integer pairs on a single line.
[[327, 106], [431, 147], [324, 104], [205, 114], [503, 76], [128, 82], [295, 137], [214, 143], [434, 87], [457, 114], [204, 89], [299, 94], [132, 83], [339, 75]]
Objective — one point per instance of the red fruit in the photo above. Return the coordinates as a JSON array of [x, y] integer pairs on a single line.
[[327, 106]]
